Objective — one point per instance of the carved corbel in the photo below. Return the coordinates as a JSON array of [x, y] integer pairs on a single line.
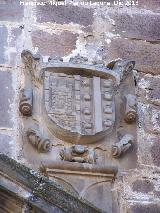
[[130, 109], [36, 140], [122, 146], [26, 102], [78, 153]]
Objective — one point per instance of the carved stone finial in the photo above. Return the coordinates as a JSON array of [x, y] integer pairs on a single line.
[[122, 146], [29, 58], [98, 62], [78, 59], [40, 143], [124, 67], [78, 153], [127, 67], [130, 111], [26, 102], [55, 59], [31, 62]]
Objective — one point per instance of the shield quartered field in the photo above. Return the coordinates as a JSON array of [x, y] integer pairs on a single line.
[[79, 107]]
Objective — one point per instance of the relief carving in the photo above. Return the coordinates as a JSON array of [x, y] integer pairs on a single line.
[[37, 141], [122, 146], [81, 106], [30, 60], [32, 64], [124, 67], [84, 105], [130, 111], [26, 102], [78, 153], [78, 59]]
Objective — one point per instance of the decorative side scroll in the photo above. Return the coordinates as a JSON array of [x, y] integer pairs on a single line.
[[36, 140], [26, 102], [122, 146], [130, 111]]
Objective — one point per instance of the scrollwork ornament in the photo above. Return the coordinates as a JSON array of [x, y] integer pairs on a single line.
[[40, 143], [122, 146], [130, 111], [26, 102]]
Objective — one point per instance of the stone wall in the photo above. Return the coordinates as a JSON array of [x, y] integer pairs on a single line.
[[101, 34]]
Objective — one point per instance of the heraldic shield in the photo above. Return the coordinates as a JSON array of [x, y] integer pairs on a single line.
[[80, 107], [92, 106]]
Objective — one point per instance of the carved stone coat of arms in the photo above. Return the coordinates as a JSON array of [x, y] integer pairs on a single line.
[[81, 109], [79, 123]]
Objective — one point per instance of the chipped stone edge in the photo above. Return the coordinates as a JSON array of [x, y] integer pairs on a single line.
[[42, 188]]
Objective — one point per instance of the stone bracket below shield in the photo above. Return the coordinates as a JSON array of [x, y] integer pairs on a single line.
[[80, 169]]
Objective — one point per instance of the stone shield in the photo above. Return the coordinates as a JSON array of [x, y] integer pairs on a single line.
[[79, 108]]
